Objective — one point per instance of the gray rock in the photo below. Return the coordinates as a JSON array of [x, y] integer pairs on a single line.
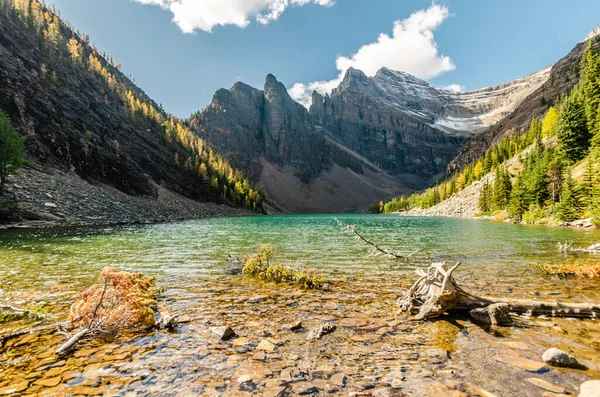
[[591, 388], [319, 331], [339, 379], [560, 358], [223, 333]]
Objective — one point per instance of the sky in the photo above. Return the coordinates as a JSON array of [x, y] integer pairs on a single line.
[[181, 51]]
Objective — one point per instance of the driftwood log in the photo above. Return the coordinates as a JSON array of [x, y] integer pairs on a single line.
[[437, 292], [351, 229]]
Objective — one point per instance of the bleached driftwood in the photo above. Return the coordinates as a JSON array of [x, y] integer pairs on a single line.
[[390, 254], [437, 292]]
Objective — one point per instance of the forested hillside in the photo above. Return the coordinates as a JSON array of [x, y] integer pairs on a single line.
[[554, 173], [82, 115]]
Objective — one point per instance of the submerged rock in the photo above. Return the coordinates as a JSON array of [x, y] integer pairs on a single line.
[[559, 358], [521, 362], [591, 388], [547, 385], [223, 333], [319, 331]]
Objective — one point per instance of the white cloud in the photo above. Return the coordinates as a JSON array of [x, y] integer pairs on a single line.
[[411, 48], [454, 88], [206, 14]]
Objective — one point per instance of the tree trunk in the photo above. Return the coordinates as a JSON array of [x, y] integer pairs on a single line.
[[436, 292]]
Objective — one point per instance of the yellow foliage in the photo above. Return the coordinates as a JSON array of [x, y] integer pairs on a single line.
[[461, 182], [478, 170], [549, 122], [75, 49]]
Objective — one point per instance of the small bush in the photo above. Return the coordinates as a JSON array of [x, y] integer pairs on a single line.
[[590, 268], [501, 215], [260, 266], [533, 215]]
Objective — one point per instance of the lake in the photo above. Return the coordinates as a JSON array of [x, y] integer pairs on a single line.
[[372, 350]]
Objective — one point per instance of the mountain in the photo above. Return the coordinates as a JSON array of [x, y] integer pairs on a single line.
[[371, 139], [88, 125], [301, 167], [560, 80]]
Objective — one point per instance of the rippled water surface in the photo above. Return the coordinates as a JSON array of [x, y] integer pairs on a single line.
[[371, 350]]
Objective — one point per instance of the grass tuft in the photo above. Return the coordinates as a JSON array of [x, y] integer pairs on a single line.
[[260, 266]]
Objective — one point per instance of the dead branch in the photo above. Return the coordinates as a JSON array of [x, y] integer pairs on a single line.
[[437, 292], [592, 249], [121, 301], [564, 247], [13, 309], [567, 246], [352, 230]]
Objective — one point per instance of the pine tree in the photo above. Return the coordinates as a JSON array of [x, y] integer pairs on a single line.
[[485, 198], [518, 200], [590, 84], [555, 179], [572, 131], [502, 190], [569, 208]]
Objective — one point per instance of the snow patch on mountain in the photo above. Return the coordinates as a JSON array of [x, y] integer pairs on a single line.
[[456, 113]]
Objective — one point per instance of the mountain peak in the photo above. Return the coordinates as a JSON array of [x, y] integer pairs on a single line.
[[354, 73], [593, 33]]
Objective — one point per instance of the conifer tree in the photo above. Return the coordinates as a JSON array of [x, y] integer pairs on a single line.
[[590, 84], [569, 208], [572, 130], [502, 190], [518, 200], [485, 198]]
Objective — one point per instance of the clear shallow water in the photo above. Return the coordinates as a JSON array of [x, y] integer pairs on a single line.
[[46, 268]]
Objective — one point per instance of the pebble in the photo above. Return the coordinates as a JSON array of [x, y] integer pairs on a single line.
[[223, 333], [267, 346]]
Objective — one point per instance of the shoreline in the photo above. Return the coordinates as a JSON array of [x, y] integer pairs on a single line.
[[46, 198], [577, 224]]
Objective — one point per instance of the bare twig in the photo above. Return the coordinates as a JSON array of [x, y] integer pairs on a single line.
[[352, 230], [73, 340], [564, 247]]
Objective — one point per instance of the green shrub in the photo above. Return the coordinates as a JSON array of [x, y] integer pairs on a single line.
[[260, 266], [533, 214]]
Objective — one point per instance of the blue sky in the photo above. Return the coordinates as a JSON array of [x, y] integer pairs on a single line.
[[469, 43]]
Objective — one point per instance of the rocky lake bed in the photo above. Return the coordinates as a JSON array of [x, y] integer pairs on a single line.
[[367, 351]]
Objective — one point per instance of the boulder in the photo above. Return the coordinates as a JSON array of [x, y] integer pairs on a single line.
[[591, 388], [559, 358]]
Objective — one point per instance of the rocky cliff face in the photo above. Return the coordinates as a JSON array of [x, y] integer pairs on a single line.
[[346, 152], [301, 166], [387, 134], [75, 119]]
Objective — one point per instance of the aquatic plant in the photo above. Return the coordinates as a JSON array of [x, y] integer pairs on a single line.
[[260, 266]]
